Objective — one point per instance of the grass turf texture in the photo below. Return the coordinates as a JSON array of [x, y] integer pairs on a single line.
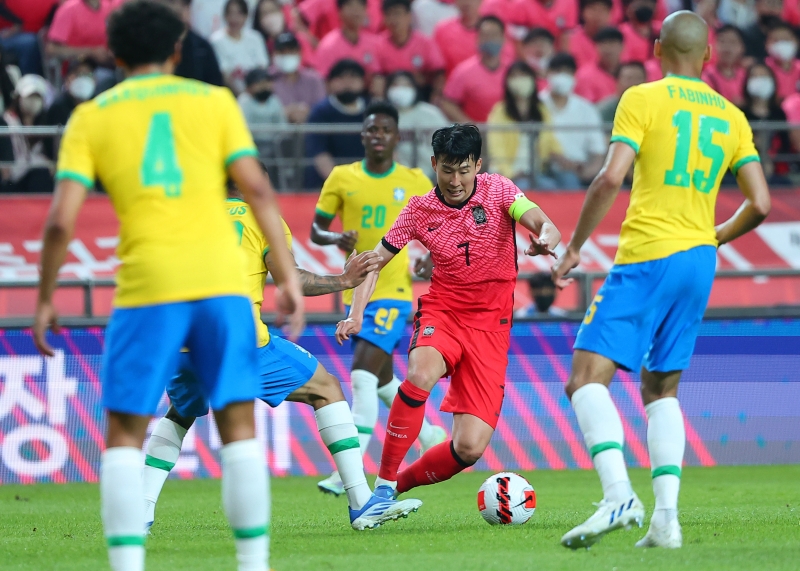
[[733, 518]]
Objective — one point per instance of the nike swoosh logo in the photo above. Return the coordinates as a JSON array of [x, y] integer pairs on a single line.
[[397, 427]]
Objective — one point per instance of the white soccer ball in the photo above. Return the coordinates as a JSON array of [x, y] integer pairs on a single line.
[[506, 499]]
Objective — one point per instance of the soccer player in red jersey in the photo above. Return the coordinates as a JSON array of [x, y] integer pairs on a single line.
[[462, 327]]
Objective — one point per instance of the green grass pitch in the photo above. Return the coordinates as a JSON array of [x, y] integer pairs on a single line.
[[734, 518]]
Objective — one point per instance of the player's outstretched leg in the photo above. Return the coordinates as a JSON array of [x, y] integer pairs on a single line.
[[429, 435], [161, 454], [666, 441], [601, 426]]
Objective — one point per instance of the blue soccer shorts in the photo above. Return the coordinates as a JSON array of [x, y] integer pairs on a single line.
[[648, 314], [143, 350], [283, 368], [384, 323]]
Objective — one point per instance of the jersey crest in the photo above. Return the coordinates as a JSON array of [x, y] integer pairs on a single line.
[[479, 214]]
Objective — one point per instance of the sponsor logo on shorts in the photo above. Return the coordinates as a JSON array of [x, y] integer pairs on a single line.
[[428, 331]]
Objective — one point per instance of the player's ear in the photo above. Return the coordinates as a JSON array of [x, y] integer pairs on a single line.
[[478, 165], [707, 55], [433, 162], [657, 49]]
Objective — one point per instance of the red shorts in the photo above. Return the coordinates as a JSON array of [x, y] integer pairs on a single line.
[[476, 363]]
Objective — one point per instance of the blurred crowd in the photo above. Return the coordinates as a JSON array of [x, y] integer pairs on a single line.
[[506, 63]]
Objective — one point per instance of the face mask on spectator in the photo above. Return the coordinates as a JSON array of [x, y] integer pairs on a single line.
[[347, 97], [402, 96], [538, 64], [643, 14], [491, 49], [288, 63], [785, 50], [521, 86], [262, 96], [82, 88], [543, 302], [31, 105], [561, 83], [761, 87], [273, 23]]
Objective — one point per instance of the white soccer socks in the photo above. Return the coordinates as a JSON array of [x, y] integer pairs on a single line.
[[387, 393], [602, 431], [121, 507], [162, 453], [246, 500], [365, 405], [336, 428], [666, 441]]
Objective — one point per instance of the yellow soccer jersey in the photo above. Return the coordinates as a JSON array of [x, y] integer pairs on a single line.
[[685, 136], [255, 246], [369, 204], [160, 145]]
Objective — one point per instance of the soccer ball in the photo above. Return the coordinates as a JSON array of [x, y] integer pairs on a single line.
[[506, 499]]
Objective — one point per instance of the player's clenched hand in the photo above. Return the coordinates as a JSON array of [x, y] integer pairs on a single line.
[[562, 267], [346, 328], [358, 266], [347, 240], [290, 306], [539, 247], [423, 267], [46, 318]]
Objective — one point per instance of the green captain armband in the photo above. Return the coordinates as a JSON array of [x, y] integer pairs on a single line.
[[520, 206]]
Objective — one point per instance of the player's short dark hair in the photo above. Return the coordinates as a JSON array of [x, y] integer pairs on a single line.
[[730, 28], [340, 3], [389, 4], [491, 18], [381, 107], [637, 64], [344, 67], [240, 3], [458, 143], [563, 61], [608, 34], [586, 3], [539, 34], [142, 32]]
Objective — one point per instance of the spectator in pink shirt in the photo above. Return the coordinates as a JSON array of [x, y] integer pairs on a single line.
[[537, 49], [322, 16], [299, 88], [456, 37], [563, 14], [791, 107], [477, 83], [596, 81], [79, 30], [351, 41], [639, 30], [628, 75], [782, 50], [271, 20], [404, 49], [595, 15], [618, 10], [727, 75], [519, 16]]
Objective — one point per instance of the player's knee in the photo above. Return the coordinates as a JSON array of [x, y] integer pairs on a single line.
[[575, 382], [468, 452], [324, 391]]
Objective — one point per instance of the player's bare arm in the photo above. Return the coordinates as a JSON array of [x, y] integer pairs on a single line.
[[58, 230], [755, 208], [323, 236], [599, 198], [356, 269], [361, 296], [249, 178], [540, 225]]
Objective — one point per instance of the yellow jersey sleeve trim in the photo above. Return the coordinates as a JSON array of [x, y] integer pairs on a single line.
[[630, 142], [239, 154], [741, 162], [520, 206], [325, 214], [265, 252], [71, 175]]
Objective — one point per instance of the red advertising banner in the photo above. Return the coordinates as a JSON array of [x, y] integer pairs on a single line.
[[776, 244]]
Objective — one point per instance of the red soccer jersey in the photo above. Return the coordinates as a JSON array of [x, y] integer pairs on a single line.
[[473, 250]]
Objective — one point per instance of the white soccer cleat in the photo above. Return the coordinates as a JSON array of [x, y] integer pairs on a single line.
[[668, 536], [332, 485], [439, 436], [609, 516], [379, 510]]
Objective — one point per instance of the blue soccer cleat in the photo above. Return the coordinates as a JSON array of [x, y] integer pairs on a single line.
[[386, 492], [379, 510]]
